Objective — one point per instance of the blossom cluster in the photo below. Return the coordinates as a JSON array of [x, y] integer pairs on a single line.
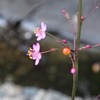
[[34, 53]]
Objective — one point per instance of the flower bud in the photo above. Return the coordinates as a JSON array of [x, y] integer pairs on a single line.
[[66, 51], [82, 18], [88, 46], [64, 41], [65, 14], [73, 70]]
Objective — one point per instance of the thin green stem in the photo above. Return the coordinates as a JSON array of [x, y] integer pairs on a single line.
[[79, 23], [51, 50], [75, 80], [58, 40], [75, 77], [91, 12], [93, 46]]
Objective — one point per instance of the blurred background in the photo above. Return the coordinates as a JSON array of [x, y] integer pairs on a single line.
[[18, 18]]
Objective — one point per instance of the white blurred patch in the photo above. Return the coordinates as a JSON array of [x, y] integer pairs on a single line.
[[3, 23], [10, 91], [28, 35], [28, 26]]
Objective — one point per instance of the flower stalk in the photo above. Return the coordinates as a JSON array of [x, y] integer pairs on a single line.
[[75, 76]]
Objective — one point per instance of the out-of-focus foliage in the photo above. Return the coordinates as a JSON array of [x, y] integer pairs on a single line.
[[52, 72]]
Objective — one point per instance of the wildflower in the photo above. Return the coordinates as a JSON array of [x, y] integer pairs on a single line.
[[73, 70], [40, 32], [66, 51], [34, 53]]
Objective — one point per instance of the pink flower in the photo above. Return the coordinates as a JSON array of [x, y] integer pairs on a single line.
[[40, 32], [34, 53]]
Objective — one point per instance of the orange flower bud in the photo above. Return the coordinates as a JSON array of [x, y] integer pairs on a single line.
[[66, 51]]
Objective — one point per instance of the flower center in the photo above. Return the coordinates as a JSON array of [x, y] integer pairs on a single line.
[[38, 30], [35, 54]]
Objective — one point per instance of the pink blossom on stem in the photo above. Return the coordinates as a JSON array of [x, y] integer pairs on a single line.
[[64, 41], [82, 18], [73, 70], [40, 31], [88, 46], [34, 53]]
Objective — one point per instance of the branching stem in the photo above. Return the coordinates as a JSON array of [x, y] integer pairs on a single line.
[[75, 76]]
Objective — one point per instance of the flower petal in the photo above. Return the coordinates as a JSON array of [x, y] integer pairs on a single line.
[[39, 38], [43, 35], [37, 47], [37, 61], [37, 34], [33, 56], [43, 26], [39, 56], [34, 46]]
